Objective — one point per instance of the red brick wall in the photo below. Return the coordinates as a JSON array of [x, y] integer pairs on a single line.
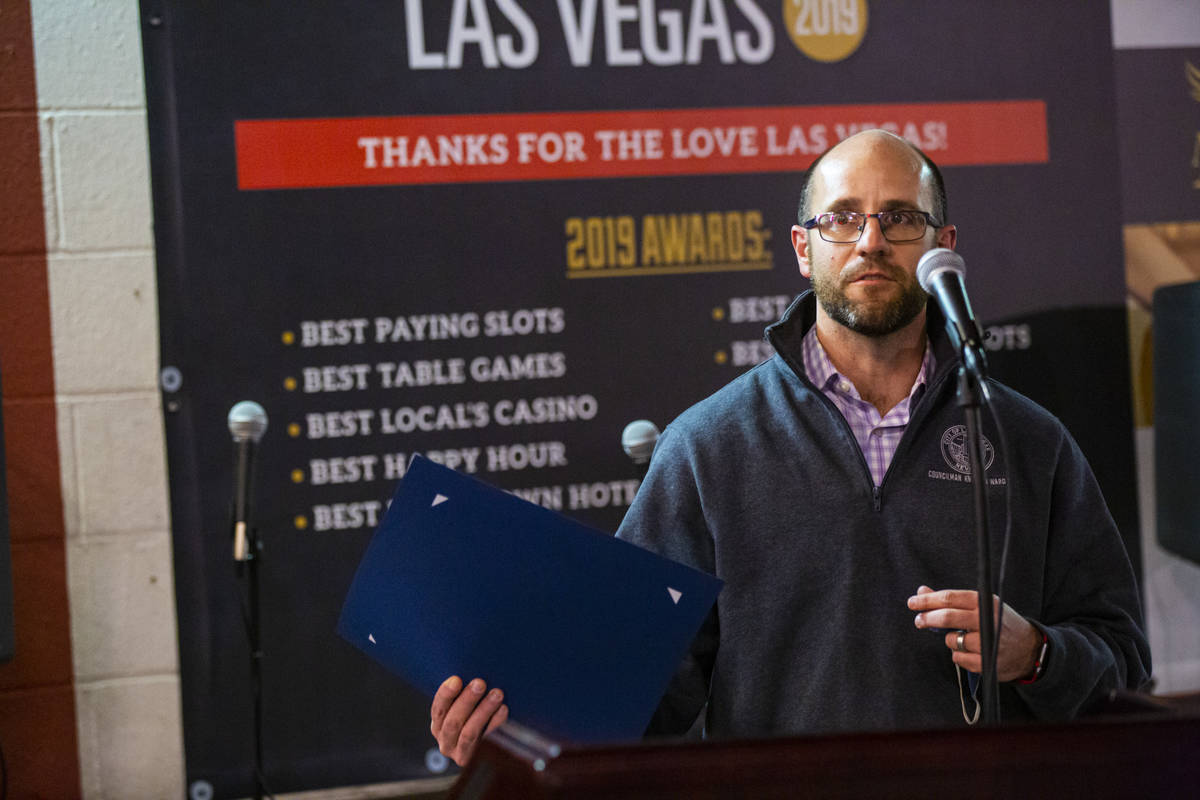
[[37, 696]]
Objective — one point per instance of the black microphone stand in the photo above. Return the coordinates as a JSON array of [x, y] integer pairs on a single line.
[[972, 396], [247, 423], [248, 568], [247, 552]]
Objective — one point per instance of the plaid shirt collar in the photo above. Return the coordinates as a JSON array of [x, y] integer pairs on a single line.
[[824, 375]]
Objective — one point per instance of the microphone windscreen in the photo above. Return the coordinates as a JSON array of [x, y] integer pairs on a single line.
[[638, 440], [247, 421], [936, 260]]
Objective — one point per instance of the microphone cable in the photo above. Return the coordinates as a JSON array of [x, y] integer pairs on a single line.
[[1005, 540]]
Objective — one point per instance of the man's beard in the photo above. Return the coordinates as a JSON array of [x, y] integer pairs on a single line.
[[865, 317]]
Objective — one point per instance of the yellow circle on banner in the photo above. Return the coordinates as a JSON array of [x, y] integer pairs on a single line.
[[288, 337], [297, 476], [301, 522], [826, 30], [293, 430]]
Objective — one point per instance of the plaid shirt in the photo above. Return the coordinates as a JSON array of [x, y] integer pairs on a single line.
[[877, 436]]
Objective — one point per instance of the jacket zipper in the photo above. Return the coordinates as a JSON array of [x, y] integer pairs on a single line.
[[933, 388], [941, 375]]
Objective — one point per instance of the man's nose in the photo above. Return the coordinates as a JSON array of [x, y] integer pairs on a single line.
[[872, 240]]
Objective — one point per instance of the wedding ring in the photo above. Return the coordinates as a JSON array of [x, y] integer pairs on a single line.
[[960, 642]]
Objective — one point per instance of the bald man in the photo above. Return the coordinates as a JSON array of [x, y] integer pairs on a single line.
[[826, 488]]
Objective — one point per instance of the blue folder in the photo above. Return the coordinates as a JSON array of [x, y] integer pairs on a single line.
[[582, 631]]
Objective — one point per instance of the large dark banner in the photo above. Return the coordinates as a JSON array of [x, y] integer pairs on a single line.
[[496, 231]]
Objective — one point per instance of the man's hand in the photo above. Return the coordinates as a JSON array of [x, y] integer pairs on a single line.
[[958, 609], [459, 717]]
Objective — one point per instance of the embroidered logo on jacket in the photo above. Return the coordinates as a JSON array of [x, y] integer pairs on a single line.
[[954, 450]]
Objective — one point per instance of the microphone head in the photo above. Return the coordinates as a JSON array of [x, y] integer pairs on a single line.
[[247, 421], [638, 440], [937, 260]]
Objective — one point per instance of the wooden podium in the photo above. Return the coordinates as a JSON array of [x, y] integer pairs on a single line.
[[1136, 756]]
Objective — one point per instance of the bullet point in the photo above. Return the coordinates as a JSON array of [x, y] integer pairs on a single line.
[[289, 384], [297, 476], [718, 313], [293, 430], [721, 357], [301, 522], [288, 337]]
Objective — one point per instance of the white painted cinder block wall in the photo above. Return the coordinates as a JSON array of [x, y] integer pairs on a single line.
[[105, 329], [100, 258]]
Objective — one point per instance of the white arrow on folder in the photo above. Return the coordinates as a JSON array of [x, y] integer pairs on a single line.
[[371, 638], [438, 499], [675, 595]]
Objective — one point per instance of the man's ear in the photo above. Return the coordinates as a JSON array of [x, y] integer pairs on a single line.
[[800, 245], [947, 236]]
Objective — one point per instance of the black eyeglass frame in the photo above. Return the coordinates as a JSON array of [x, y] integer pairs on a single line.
[[930, 222]]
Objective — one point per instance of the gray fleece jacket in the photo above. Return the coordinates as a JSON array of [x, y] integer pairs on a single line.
[[763, 485]]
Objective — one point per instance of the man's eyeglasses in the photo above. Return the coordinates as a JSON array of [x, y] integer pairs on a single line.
[[844, 227]]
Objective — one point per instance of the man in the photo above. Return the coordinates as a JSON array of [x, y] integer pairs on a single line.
[[824, 488]]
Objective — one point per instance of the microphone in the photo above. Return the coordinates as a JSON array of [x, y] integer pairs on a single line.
[[940, 273], [638, 440], [247, 422]]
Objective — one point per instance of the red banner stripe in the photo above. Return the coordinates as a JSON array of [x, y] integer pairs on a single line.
[[374, 151]]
